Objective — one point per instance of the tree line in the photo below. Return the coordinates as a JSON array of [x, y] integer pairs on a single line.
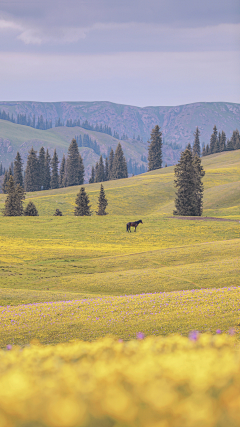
[[219, 142], [86, 141], [114, 167]]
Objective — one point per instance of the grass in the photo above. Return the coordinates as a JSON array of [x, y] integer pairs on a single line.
[[49, 259]]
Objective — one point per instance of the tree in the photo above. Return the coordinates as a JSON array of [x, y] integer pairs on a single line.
[[188, 174], [92, 178], [75, 169], [32, 172], [54, 175], [82, 202], [223, 142], [41, 159], [213, 140], [99, 173], [5, 181], [102, 202], [106, 170], [14, 200], [62, 172], [119, 167], [110, 166], [196, 146], [47, 171], [203, 151], [155, 149], [30, 210], [18, 170]]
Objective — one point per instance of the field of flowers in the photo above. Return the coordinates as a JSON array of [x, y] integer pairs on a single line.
[[153, 382], [205, 310]]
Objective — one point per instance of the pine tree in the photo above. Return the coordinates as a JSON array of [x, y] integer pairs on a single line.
[[5, 181], [155, 149], [82, 202], [213, 140], [102, 202], [18, 170], [80, 171], [196, 146], [99, 172], [223, 142], [75, 170], [54, 175], [119, 168], [111, 160], [235, 139], [203, 151], [32, 172], [217, 143], [230, 146], [14, 200], [30, 210], [106, 170], [62, 172], [41, 159], [207, 150], [47, 171], [188, 174], [92, 178]]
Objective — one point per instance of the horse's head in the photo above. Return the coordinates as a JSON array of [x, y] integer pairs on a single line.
[[140, 222]]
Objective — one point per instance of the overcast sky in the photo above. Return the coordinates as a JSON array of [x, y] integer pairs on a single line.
[[139, 52]]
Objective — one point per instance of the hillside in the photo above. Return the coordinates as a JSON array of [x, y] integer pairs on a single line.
[[177, 123]]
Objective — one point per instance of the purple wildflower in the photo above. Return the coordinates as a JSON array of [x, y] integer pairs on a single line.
[[194, 335], [140, 336], [218, 331]]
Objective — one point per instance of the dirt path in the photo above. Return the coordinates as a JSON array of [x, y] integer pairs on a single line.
[[202, 218]]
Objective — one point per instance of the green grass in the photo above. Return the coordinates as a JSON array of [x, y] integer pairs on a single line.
[[48, 258]]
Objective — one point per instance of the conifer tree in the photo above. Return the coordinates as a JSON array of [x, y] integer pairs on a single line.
[[18, 170], [213, 140], [207, 150], [82, 202], [230, 146], [30, 210], [119, 167], [188, 174], [203, 151], [110, 166], [31, 180], [41, 159], [99, 172], [102, 202], [196, 146], [155, 149], [75, 170], [47, 171], [5, 181], [54, 175], [14, 201], [92, 178], [106, 170], [223, 141], [62, 172]]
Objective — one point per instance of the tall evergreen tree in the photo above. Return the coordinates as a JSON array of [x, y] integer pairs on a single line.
[[31, 181], [73, 165], [54, 175], [5, 181], [188, 174], [119, 168], [14, 201], [62, 172], [99, 173], [80, 170], [47, 171], [203, 151], [82, 204], [41, 159], [18, 170], [155, 149], [106, 170], [102, 202], [213, 140], [92, 178], [223, 141], [196, 146], [110, 166]]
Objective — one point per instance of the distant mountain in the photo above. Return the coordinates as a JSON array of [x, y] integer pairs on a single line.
[[177, 123]]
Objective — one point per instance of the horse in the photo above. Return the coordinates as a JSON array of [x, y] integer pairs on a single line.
[[133, 224]]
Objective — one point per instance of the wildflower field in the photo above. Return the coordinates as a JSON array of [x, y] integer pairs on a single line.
[[72, 278]]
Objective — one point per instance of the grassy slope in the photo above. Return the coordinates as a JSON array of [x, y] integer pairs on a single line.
[[66, 258]]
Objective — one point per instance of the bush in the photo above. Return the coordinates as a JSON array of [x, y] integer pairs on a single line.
[[30, 210]]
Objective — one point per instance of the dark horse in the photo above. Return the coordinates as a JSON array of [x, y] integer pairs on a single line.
[[133, 224]]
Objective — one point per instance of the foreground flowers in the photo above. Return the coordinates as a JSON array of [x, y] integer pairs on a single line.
[[151, 382]]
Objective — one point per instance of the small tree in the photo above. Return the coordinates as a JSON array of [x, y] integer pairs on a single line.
[[18, 170], [196, 146], [92, 178], [155, 149], [14, 200], [30, 210], [102, 202], [31, 180], [54, 176], [82, 202], [119, 167]]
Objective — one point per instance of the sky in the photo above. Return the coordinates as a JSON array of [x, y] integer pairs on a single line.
[[137, 52]]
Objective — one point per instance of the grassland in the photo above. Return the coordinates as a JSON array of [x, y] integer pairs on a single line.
[[48, 259]]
